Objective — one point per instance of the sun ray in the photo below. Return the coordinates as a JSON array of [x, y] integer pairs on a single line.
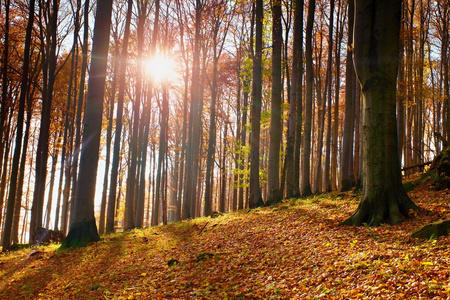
[[160, 68]]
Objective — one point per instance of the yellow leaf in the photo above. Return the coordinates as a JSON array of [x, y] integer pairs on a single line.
[[428, 263], [143, 274]]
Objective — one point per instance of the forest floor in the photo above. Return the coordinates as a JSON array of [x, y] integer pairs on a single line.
[[295, 250]]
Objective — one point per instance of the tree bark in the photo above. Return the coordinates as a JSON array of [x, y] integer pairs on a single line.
[[255, 188], [195, 122], [6, 240], [273, 181], [305, 179], [83, 229], [377, 31], [44, 133]]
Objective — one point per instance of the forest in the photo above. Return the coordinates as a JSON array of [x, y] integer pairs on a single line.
[[118, 115]]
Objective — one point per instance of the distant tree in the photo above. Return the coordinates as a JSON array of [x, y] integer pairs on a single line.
[[376, 57], [83, 229]]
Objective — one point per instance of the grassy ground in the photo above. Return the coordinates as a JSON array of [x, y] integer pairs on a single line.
[[293, 250]]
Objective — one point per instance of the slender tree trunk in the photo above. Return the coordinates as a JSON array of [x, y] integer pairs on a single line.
[[108, 150], [327, 98], [192, 159], [144, 126], [223, 171], [67, 141], [294, 90], [110, 213], [50, 190], [6, 240], [212, 134], [274, 193], [131, 178], [347, 176], [337, 84], [5, 100], [161, 156], [79, 109], [305, 179], [299, 100], [44, 133], [18, 203], [255, 188]]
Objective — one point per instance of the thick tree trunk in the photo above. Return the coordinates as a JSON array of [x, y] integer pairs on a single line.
[[83, 229], [377, 30]]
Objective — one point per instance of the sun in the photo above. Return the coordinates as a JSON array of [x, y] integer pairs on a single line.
[[160, 68]]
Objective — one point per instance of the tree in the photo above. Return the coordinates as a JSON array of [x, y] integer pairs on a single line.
[[83, 228], [44, 133], [219, 17], [131, 179], [195, 122], [6, 240], [347, 176], [255, 189], [110, 213], [292, 181], [306, 183], [274, 193], [376, 58]]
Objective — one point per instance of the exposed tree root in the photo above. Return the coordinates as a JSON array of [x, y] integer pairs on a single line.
[[382, 208], [80, 234]]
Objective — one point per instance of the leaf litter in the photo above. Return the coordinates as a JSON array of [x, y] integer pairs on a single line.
[[295, 250]]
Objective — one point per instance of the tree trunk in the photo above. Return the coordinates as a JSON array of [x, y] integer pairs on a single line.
[[83, 229], [347, 176], [5, 98], [79, 108], [273, 182], [255, 189], [195, 122], [377, 31], [110, 213], [327, 98], [305, 179], [44, 133], [299, 100], [6, 240]]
